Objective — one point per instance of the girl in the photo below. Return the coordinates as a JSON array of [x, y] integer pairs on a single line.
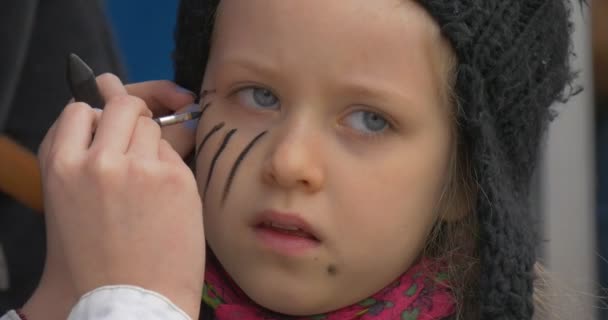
[[355, 159]]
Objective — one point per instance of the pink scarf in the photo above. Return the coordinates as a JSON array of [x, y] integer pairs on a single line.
[[419, 294]]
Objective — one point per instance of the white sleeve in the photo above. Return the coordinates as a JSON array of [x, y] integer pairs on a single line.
[[11, 315], [125, 303]]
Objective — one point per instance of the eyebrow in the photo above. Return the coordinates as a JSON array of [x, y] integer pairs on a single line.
[[387, 95], [375, 91], [259, 66]]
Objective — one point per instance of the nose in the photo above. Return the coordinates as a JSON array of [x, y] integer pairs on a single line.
[[295, 160]]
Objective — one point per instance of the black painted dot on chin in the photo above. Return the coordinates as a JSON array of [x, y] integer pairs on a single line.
[[332, 270]]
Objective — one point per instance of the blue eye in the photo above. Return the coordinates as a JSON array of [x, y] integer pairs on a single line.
[[368, 122], [257, 97]]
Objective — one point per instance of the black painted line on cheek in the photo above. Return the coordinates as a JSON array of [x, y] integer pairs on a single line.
[[202, 95], [237, 163], [215, 129], [205, 93], [214, 161], [205, 107]]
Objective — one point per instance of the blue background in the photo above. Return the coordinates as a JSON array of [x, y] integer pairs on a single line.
[[144, 37]]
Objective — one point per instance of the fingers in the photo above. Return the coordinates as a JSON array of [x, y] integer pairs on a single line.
[[45, 145], [110, 86], [145, 139], [71, 135], [166, 153], [120, 128], [74, 130], [182, 136], [119, 117], [118, 122], [162, 97]]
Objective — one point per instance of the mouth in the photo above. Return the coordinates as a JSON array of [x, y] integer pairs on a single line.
[[286, 229], [286, 233]]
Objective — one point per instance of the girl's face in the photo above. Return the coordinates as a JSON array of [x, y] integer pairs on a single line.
[[325, 147]]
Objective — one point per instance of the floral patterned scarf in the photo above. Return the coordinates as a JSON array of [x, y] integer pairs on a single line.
[[421, 293]]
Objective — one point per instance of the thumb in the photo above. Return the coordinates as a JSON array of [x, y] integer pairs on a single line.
[[181, 136], [162, 97]]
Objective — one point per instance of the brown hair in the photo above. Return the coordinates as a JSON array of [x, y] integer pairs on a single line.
[[453, 239]]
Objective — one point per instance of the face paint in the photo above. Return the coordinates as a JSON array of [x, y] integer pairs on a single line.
[[215, 129], [205, 109], [205, 93], [214, 161], [193, 124], [237, 163], [332, 270]]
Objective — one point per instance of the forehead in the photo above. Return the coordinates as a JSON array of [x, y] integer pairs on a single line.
[[383, 37]]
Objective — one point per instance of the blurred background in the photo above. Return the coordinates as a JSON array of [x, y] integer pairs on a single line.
[[121, 37], [572, 188], [144, 37]]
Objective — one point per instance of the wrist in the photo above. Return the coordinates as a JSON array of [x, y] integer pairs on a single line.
[[41, 307], [188, 301], [48, 302]]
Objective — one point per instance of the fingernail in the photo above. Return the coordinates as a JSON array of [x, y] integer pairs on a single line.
[[192, 124], [185, 91]]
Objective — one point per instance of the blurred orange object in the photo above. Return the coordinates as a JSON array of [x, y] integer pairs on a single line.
[[20, 174]]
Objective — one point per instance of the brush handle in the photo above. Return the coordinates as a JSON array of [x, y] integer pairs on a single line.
[[83, 83]]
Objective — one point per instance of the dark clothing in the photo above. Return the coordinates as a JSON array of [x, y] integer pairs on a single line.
[[37, 37]]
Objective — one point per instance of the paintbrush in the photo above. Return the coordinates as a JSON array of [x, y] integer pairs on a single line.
[[83, 85]]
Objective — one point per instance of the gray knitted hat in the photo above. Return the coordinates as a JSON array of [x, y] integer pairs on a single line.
[[513, 64]]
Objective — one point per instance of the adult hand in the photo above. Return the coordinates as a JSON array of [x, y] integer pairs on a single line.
[[121, 205], [21, 176], [165, 97]]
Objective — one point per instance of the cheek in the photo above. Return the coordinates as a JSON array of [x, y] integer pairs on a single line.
[[225, 161], [389, 215], [400, 184], [390, 207], [393, 201]]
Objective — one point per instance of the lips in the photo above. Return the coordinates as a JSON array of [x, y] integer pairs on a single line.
[[285, 223], [290, 230]]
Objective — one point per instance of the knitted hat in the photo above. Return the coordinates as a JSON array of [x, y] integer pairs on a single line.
[[513, 64]]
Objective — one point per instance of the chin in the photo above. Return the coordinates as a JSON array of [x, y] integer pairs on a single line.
[[293, 302]]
